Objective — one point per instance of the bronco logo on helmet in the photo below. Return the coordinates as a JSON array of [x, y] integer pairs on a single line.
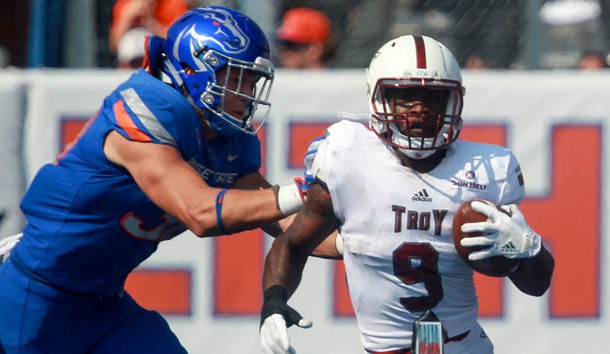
[[235, 41], [206, 40]]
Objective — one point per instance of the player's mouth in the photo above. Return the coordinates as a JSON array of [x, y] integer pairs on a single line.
[[416, 127]]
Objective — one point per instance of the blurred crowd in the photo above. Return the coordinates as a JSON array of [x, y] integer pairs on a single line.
[[309, 34], [304, 37], [132, 20]]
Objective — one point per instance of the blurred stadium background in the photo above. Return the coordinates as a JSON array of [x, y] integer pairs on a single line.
[[56, 69], [506, 34]]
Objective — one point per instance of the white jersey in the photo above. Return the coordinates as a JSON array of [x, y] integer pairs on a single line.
[[396, 228]]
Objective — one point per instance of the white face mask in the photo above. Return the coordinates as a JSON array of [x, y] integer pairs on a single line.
[[417, 154], [416, 144]]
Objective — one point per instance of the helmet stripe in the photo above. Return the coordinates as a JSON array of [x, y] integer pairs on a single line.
[[420, 49]]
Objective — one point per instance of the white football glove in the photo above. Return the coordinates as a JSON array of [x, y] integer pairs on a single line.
[[274, 336], [276, 317], [7, 244], [504, 235]]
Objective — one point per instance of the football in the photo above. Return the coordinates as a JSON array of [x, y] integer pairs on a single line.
[[497, 266]]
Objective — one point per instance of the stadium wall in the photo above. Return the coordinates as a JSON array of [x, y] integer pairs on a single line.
[[209, 289]]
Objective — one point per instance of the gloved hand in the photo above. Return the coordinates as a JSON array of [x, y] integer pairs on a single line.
[[292, 197], [302, 184], [504, 235], [276, 318]]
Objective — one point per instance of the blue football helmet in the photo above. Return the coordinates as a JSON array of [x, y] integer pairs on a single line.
[[206, 39]]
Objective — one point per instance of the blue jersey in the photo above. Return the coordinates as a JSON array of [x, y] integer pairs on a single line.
[[88, 222]]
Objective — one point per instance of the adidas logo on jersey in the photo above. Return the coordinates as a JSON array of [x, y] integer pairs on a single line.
[[508, 248], [421, 196]]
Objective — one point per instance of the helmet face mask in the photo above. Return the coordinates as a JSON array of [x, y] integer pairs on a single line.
[[239, 82], [213, 56], [414, 111], [414, 117], [415, 94]]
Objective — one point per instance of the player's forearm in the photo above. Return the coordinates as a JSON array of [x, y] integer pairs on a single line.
[[283, 265], [244, 210], [533, 275], [275, 228], [330, 248], [213, 211]]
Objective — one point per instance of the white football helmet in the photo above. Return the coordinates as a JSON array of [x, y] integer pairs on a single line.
[[407, 63]]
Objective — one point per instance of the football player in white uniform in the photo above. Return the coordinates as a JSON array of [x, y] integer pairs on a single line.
[[392, 190]]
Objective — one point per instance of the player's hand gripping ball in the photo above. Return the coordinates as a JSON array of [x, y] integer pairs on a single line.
[[496, 266]]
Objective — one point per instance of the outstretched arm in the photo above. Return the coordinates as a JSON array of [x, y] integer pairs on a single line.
[[256, 181], [284, 267], [288, 255], [173, 185], [329, 248]]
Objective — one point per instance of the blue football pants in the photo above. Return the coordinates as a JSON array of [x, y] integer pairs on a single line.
[[38, 319]]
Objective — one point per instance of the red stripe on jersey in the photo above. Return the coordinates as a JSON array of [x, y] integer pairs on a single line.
[[125, 122], [420, 50]]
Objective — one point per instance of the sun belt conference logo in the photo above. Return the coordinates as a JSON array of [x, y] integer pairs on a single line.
[[469, 181]]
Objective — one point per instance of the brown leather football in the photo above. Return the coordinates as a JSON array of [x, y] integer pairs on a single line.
[[497, 266]]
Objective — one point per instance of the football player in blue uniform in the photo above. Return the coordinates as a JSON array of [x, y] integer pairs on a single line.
[[172, 148]]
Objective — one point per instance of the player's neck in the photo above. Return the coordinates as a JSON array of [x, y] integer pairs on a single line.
[[208, 132], [423, 165]]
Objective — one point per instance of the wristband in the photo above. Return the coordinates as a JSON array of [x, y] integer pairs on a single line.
[[275, 292], [289, 199], [219, 199], [339, 244], [274, 299], [514, 269]]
